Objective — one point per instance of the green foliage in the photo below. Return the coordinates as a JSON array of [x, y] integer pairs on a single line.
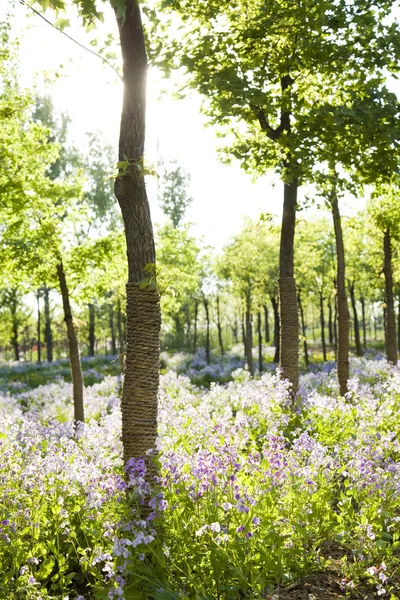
[[172, 191], [323, 64]]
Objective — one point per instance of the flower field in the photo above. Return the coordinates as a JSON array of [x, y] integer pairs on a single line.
[[256, 498]]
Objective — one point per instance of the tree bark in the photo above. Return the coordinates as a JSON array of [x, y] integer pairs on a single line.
[[206, 308], [390, 323], [74, 358], [330, 323], [14, 324], [112, 329], [243, 335], [91, 329], [398, 321], [322, 322], [343, 317], [260, 341], [139, 404], [356, 325], [188, 325], [364, 322], [249, 335], [47, 325], [196, 309], [277, 335], [289, 325], [121, 343], [220, 340], [266, 321], [335, 320], [39, 327], [303, 327]]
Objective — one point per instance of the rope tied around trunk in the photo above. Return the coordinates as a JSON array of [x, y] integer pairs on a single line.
[[139, 403], [289, 347]]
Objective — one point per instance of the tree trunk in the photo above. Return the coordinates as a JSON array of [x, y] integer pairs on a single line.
[[322, 322], [357, 339], [119, 328], [196, 309], [47, 325], [266, 320], [303, 327], [188, 324], [39, 345], [249, 335], [14, 324], [343, 317], [234, 329], [205, 302], [330, 323], [289, 325], [277, 335], [260, 341], [74, 358], [243, 334], [139, 404], [364, 322], [220, 340], [390, 323], [112, 329], [91, 329], [335, 320], [398, 321]]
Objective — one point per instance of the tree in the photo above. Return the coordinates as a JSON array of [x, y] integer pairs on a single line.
[[262, 100], [172, 194], [140, 389], [385, 211]]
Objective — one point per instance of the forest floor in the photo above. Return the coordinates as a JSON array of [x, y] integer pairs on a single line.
[[254, 490]]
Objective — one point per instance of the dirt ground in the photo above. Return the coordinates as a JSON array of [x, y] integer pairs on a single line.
[[326, 585]]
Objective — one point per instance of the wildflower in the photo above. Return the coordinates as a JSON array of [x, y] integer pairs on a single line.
[[215, 527]]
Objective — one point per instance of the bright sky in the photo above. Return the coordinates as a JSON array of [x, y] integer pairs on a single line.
[[91, 93]]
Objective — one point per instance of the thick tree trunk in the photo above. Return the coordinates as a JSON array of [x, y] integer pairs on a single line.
[[139, 403], [74, 358], [343, 317], [112, 329], [289, 325], [277, 335], [330, 323], [260, 341], [91, 329], [48, 336], [390, 323], [356, 325], [249, 335], [196, 310], [121, 343], [364, 322], [39, 328], [219, 327], [322, 323], [266, 322], [303, 328], [206, 308]]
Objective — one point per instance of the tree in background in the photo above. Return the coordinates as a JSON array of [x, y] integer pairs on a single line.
[[384, 209], [262, 100], [173, 183]]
